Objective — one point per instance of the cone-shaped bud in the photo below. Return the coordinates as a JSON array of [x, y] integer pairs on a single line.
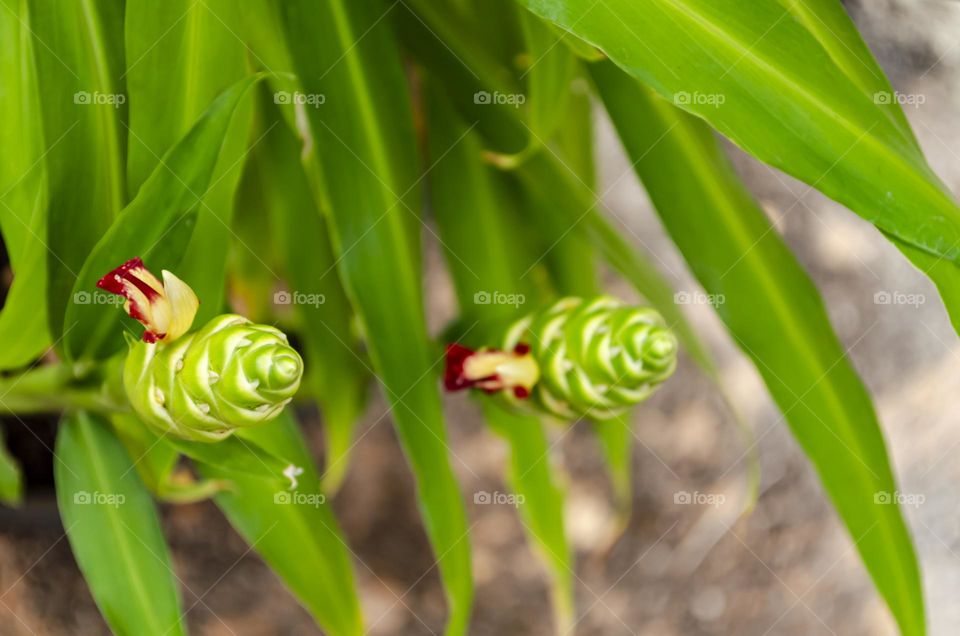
[[594, 358], [230, 374]]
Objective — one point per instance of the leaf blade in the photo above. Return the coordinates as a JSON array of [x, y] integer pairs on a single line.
[[302, 543], [344, 50], [82, 109], [337, 374], [200, 57], [119, 546], [771, 303], [23, 193], [11, 478]]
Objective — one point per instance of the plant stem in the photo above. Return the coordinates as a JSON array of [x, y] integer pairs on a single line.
[[51, 389]]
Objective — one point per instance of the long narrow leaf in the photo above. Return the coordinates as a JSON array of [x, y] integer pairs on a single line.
[[114, 530], [11, 479], [827, 21], [532, 476], [549, 71], [776, 315], [181, 55], [23, 192], [79, 52], [295, 532], [338, 377], [346, 52]]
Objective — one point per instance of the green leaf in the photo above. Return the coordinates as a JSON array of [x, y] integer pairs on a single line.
[[200, 57], [338, 376], [768, 84], [531, 476], [459, 51], [155, 226], [155, 460], [252, 277], [616, 441], [238, 457], [345, 51], [828, 22], [549, 70], [114, 530], [79, 53], [777, 317], [11, 479], [487, 253], [296, 534], [23, 192]]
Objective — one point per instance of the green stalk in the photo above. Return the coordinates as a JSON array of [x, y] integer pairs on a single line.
[[50, 389]]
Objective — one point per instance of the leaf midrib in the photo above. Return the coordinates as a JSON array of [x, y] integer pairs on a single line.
[[848, 62], [102, 73], [191, 80], [363, 94]]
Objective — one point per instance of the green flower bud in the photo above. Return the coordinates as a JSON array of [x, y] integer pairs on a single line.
[[203, 386], [591, 358], [597, 357]]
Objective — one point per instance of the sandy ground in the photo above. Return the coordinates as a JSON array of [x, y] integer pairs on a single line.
[[789, 569]]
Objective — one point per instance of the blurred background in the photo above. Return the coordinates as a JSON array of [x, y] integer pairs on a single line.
[[678, 568]]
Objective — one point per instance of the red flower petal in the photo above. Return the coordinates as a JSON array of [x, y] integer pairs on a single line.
[[453, 377], [113, 282], [133, 281]]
